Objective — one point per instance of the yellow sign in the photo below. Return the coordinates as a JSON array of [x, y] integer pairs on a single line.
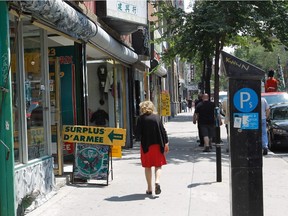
[[165, 104], [94, 135], [116, 151]]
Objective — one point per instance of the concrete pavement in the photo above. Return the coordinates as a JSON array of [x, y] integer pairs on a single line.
[[188, 183]]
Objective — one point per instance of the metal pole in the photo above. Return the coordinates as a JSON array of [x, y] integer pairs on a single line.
[[218, 147], [218, 163], [7, 198]]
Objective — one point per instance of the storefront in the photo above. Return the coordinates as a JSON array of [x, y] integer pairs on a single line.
[[108, 95], [50, 81], [37, 76]]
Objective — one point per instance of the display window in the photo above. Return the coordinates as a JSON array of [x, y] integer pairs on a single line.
[[28, 87], [33, 91]]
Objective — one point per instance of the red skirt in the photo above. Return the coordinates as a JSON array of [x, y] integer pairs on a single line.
[[153, 157]]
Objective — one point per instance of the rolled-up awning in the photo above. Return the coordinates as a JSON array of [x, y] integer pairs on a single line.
[[105, 42], [161, 71], [75, 24]]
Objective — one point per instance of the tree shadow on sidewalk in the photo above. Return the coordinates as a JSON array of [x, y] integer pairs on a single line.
[[183, 136], [186, 149], [182, 117]]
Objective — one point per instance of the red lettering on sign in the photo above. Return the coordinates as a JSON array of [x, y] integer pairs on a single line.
[[68, 147], [65, 59]]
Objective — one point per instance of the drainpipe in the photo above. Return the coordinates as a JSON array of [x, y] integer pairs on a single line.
[[7, 198]]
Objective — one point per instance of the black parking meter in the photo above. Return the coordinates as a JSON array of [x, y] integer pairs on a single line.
[[244, 96]]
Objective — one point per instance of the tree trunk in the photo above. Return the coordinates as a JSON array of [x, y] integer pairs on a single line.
[[216, 86], [208, 76]]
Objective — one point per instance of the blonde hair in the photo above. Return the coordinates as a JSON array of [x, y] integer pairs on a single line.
[[147, 107]]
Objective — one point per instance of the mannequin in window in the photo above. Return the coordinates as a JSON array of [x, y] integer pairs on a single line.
[[99, 117], [102, 76]]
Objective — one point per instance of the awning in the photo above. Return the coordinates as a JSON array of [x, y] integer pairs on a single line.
[[142, 65], [181, 80], [105, 42], [73, 23], [160, 71]]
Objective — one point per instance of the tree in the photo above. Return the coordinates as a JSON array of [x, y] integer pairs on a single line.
[[257, 55], [213, 24]]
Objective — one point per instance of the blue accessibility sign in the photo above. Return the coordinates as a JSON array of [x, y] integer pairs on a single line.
[[245, 100]]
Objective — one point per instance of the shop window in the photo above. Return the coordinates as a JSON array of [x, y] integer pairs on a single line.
[[33, 91], [27, 86]]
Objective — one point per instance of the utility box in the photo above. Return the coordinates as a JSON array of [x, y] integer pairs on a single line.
[[244, 101]]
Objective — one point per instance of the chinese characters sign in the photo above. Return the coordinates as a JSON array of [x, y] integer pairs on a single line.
[[127, 8]]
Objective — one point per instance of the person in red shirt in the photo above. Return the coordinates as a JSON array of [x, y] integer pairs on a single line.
[[271, 84]]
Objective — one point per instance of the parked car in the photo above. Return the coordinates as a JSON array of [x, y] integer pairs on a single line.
[[277, 126], [222, 96], [275, 97]]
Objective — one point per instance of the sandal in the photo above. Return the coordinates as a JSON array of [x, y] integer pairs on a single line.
[[157, 188], [149, 192]]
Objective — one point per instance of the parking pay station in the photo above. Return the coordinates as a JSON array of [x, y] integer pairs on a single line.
[[244, 101]]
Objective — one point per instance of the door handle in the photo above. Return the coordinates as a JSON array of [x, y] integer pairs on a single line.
[[8, 149]]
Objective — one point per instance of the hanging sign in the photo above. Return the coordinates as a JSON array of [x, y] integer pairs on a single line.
[[165, 104]]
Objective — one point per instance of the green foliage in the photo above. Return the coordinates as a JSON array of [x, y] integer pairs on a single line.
[[264, 59], [225, 22], [202, 34]]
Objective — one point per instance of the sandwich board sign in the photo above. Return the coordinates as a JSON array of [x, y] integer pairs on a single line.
[[93, 154]]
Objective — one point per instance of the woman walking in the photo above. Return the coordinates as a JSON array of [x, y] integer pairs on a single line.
[[154, 143]]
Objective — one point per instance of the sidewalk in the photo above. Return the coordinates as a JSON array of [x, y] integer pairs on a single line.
[[188, 183]]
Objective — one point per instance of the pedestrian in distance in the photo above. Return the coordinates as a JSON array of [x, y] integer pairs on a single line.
[[189, 101], [184, 105], [205, 116], [154, 144], [201, 140], [271, 84], [265, 112]]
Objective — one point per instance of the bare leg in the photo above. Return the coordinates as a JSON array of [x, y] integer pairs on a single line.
[[157, 174], [206, 144], [206, 141], [157, 180], [148, 175]]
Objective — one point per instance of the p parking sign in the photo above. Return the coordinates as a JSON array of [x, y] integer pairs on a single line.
[[245, 100]]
